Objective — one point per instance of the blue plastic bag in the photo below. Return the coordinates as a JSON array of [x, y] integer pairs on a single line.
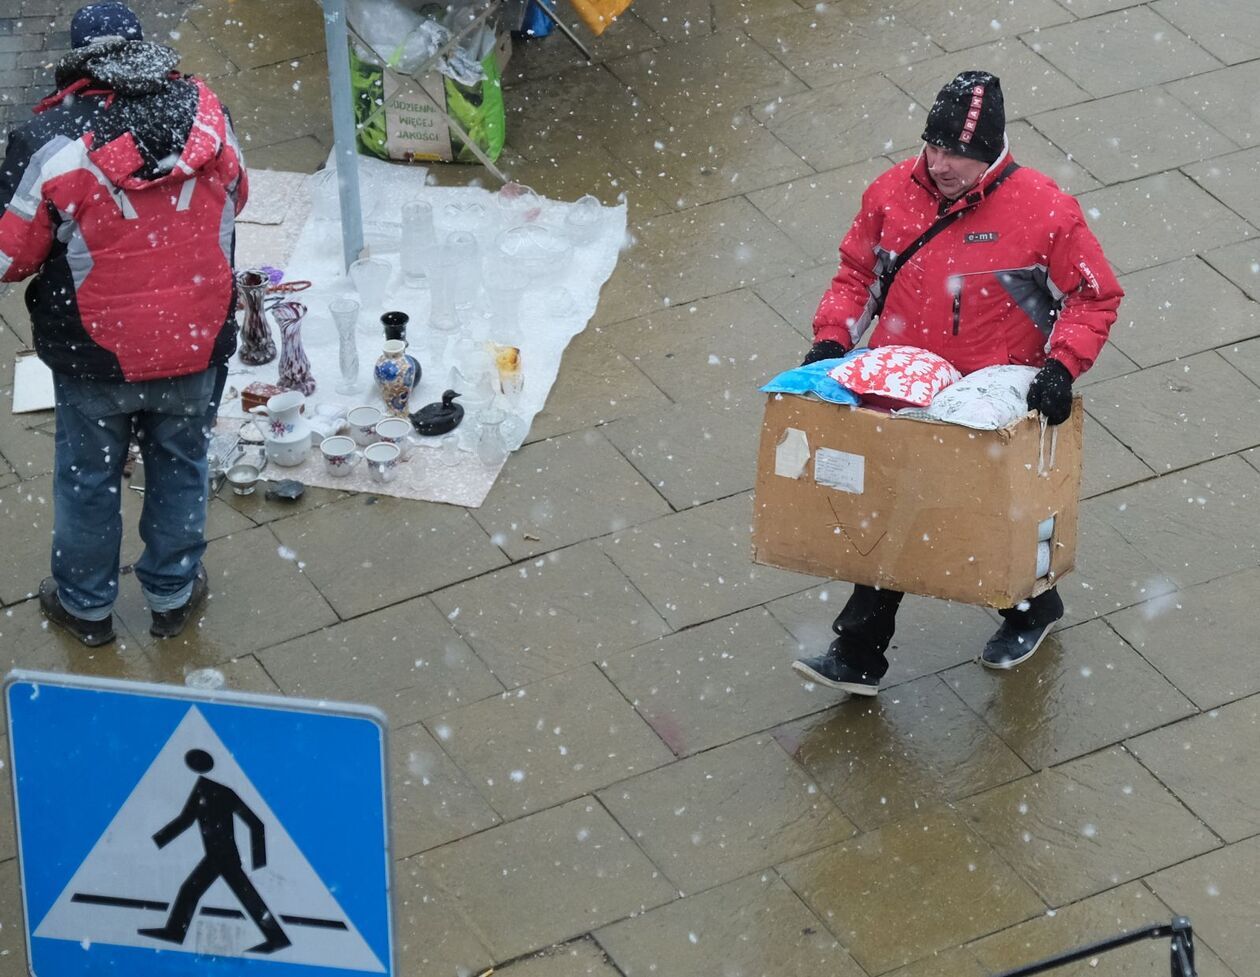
[[813, 381], [536, 23]]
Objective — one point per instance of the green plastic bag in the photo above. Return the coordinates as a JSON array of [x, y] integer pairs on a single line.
[[478, 109]]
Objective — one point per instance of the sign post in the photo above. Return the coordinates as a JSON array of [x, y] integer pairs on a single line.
[[170, 832]]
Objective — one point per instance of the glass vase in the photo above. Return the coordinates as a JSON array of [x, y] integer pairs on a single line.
[[295, 368], [505, 287], [492, 449], [419, 241], [257, 346], [455, 282], [345, 316], [394, 325], [371, 280]]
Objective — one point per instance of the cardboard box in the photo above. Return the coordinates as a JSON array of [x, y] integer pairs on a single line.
[[919, 506], [415, 131]]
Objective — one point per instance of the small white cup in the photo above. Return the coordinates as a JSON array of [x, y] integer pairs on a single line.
[[340, 455], [382, 461], [362, 422], [396, 430]]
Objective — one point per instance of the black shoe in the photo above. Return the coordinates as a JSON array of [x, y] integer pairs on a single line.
[[830, 671], [162, 933], [167, 624], [91, 633], [1011, 645]]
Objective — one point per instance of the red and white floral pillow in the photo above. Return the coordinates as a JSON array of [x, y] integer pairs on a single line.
[[896, 376]]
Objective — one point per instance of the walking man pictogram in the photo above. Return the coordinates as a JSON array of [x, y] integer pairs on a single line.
[[212, 807]]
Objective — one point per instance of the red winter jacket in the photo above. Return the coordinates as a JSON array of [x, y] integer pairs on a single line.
[[1019, 277], [133, 276]]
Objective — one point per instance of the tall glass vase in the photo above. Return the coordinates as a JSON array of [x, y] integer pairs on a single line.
[[257, 346], [295, 368], [418, 242], [345, 316], [455, 280]]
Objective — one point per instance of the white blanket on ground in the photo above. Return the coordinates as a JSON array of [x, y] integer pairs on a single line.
[[316, 256]]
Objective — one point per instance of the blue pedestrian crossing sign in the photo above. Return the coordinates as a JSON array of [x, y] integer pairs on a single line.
[[170, 832]]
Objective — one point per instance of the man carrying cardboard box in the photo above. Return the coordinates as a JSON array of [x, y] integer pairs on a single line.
[[963, 252]]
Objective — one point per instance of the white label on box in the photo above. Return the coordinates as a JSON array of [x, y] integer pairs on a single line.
[[841, 470], [791, 457]]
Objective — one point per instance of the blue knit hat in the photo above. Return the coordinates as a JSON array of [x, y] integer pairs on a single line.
[[107, 19]]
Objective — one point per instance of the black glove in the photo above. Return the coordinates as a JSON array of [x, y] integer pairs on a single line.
[[1051, 392], [824, 349]]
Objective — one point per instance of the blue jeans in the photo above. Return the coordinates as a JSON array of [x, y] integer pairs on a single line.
[[96, 419]]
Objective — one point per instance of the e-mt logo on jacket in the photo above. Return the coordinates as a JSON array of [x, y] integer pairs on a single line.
[[981, 237]]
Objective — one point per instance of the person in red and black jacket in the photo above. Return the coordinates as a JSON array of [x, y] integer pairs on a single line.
[[1016, 277], [118, 200]]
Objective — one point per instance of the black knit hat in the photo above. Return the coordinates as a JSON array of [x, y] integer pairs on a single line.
[[107, 19], [969, 117]]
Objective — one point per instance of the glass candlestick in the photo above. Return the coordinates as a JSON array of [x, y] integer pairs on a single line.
[[345, 316]]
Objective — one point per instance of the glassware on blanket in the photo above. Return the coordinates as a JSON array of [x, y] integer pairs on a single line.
[[455, 280], [477, 219], [371, 280], [518, 205], [479, 396], [507, 361], [463, 245], [295, 367], [450, 454], [541, 253], [505, 286], [492, 449], [514, 426], [345, 316], [468, 359], [584, 221], [257, 346], [419, 241]]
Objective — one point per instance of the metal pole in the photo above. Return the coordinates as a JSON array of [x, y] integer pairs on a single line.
[[1179, 930], [346, 155], [555, 19]]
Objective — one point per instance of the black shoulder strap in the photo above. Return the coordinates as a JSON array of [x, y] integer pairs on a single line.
[[886, 279]]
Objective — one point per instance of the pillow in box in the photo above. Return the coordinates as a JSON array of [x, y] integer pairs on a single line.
[[987, 400], [814, 380], [896, 376]]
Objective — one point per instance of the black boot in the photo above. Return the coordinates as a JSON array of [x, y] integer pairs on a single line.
[[855, 661], [91, 633], [168, 624], [831, 671], [1022, 631]]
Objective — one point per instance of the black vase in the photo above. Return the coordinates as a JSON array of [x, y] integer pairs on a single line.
[[395, 324]]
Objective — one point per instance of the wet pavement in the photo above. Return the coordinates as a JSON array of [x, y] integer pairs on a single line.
[[600, 753]]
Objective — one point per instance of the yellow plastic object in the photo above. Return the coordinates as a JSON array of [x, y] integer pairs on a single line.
[[600, 14]]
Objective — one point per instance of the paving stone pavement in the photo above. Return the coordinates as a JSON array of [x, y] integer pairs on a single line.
[[682, 805]]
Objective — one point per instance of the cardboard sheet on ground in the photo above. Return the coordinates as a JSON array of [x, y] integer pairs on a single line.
[[315, 255], [32, 384]]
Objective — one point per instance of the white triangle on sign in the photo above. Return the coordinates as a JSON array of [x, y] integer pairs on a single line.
[[127, 883]]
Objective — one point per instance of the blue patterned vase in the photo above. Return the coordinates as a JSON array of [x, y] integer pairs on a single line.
[[396, 375]]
